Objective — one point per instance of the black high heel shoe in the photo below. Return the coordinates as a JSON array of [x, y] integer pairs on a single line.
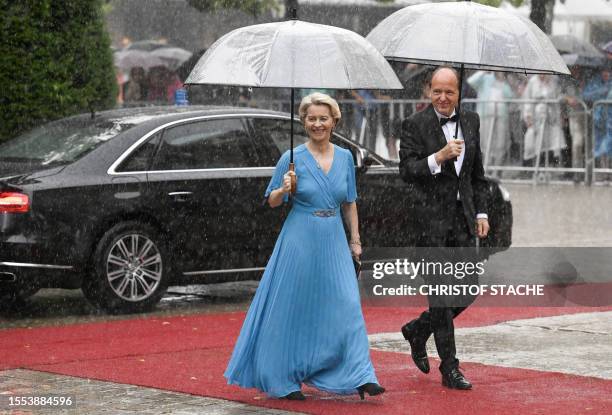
[[295, 396], [371, 389]]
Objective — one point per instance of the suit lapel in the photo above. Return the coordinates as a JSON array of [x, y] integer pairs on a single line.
[[468, 138], [436, 130]]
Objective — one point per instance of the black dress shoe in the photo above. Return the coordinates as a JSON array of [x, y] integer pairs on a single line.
[[418, 350], [295, 396], [455, 380], [371, 389]]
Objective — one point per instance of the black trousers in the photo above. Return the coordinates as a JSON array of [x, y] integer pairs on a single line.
[[438, 320]]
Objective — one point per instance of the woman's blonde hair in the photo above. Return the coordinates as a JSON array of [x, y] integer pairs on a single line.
[[318, 98]]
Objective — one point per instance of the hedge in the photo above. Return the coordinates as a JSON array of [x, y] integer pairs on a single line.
[[55, 60]]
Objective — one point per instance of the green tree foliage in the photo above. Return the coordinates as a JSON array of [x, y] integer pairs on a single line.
[[496, 3], [56, 61], [253, 7]]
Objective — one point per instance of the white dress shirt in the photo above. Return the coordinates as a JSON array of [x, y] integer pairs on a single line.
[[449, 133]]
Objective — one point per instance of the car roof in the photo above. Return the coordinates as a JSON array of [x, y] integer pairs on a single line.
[[162, 115], [135, 120]]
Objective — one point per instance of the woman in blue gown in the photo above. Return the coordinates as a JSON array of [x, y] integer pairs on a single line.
[[305, 324]]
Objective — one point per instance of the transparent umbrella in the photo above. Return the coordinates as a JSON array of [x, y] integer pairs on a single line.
[[173, 55], [294, 54], [468, 35], [147, 45], [576, 51], [127, 59]]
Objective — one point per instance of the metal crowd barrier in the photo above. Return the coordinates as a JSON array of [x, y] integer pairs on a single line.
[[551, 162]]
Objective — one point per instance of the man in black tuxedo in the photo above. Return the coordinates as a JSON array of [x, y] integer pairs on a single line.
[[445, 178]]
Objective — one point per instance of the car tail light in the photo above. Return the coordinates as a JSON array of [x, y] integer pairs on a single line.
[[12, 202]]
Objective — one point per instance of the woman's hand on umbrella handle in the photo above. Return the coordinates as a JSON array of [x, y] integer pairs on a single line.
[[355, 250], [292, 178], [289, 182]]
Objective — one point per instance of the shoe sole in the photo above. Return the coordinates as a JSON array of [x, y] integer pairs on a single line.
[[446, 385]]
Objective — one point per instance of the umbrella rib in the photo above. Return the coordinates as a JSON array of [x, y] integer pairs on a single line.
[[520, 53], [345, 68], [319, 65], [241, 51], [472, 65], [268, 54]]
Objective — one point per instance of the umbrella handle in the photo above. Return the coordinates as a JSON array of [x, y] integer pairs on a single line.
[[293, 179]]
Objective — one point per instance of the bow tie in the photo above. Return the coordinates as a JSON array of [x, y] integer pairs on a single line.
[[444, 120]]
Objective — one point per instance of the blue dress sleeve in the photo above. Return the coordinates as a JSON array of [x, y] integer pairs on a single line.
[[351, 188], [282, 167]]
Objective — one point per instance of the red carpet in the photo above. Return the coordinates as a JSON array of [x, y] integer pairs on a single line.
[[189, 354]]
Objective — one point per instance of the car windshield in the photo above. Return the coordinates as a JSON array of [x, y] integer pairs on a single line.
[[60, 142]]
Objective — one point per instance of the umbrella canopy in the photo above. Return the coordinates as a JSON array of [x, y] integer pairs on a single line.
[[575, 59], [294, 54], [477, 36], [571, 44], [575, 51], [173, 56], [127, 59], [147, 45]]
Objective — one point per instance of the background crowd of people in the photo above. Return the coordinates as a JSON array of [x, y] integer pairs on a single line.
[[157, 85]]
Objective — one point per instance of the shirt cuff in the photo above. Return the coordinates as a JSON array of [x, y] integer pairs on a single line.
[[434, 167], [482, 216]]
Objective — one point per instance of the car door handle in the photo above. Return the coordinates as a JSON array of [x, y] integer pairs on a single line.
[[180, 196]]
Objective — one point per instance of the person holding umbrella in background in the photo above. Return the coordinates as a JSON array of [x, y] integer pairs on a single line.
[[305, 324]]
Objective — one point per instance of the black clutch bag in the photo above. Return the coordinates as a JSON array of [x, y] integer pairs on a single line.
[[357, 265]]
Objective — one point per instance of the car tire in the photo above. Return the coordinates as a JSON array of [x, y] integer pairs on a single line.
[[130, 269]]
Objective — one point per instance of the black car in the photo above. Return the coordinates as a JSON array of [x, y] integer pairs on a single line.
[[126, 202]]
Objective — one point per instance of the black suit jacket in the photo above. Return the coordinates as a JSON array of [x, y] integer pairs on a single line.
[[435, 196]]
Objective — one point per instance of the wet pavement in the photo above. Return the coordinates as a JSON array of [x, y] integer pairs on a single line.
[[561, 215], [93, 397], [577, 344], [58, 307]]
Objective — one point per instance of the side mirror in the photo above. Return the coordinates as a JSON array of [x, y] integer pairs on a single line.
[[363, 159]]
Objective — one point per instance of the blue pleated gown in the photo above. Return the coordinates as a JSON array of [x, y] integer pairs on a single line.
[[305, 324]]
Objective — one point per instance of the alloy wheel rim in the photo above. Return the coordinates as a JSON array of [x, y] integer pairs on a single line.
[[134, 267]]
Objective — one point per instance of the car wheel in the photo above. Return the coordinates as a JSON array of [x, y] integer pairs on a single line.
[[130, 269]]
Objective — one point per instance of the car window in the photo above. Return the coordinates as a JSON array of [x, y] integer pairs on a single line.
[[140, 159], [207, 144], [277, 134], [60, 142]]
